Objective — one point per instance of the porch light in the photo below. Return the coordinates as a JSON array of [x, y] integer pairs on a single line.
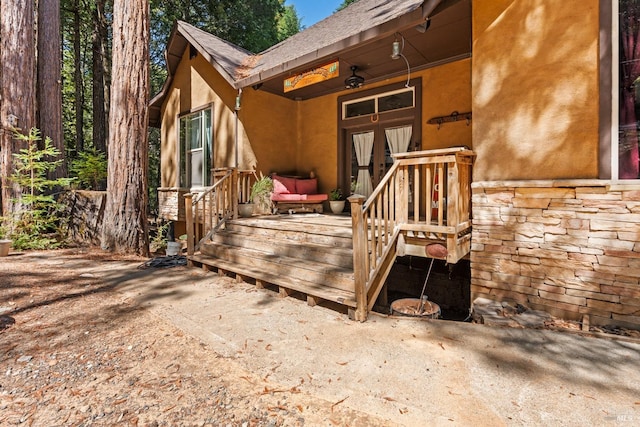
[[395, 50], [354, 81]]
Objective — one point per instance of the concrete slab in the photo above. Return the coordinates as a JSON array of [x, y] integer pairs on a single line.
[[407, 371]]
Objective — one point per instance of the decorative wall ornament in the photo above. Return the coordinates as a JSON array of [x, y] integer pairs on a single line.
[[453, 117]]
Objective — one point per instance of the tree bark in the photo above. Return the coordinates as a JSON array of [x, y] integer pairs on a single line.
[[17, 88], [98, 44], [78, 79], [125, 224], [50, 78]]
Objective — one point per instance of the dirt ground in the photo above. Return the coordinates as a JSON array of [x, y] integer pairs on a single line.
[[73, 351]]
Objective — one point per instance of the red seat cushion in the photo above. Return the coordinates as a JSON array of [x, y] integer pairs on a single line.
[[307, 186], [283, 185], [287, 197]]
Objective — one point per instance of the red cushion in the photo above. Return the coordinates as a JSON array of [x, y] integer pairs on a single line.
[[317, 197], [283, 185], [307, 186], [287, 197]]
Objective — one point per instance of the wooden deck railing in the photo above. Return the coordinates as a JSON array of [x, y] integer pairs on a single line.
[[207, 210], [426, 196]]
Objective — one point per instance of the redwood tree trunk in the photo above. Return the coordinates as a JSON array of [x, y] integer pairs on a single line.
[[98, 43], [78, 79], [49, 78], [17, 88], [125, 218]]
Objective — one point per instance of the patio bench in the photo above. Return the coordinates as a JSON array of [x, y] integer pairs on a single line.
[[294, 194]]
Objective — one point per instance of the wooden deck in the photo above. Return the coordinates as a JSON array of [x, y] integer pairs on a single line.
[[344, 259], [307, 253]]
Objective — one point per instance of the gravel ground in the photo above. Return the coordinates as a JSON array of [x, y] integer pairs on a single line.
[[75, 352]]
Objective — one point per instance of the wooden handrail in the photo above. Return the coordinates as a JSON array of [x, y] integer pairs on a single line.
[[207, 211], [425, 193]]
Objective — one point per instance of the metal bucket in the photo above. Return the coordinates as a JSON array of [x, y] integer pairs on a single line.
[[173, 248], [413, 307]]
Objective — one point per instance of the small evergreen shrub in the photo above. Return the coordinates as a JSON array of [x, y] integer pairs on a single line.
[[35, 223], [90, 169]]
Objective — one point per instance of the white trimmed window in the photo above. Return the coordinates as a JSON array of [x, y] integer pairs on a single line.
[[379, 103], [196, 135]]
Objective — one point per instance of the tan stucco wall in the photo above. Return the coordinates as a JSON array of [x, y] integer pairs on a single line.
[[298, 136], [270, 123], [318, 140], [446, 89], [535, 85], [195, 85]]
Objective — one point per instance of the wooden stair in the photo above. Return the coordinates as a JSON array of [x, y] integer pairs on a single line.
[[309, 253]]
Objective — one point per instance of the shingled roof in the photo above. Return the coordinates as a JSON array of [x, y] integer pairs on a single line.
[[329, 36], [359, 23]]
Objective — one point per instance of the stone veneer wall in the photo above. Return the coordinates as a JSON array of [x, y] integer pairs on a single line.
[[570, 248], [171, 204]]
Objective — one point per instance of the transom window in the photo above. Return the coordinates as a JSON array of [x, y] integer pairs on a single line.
[[380, 103], [196, 133]]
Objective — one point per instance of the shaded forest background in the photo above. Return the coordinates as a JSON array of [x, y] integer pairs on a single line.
[[86, 35], [82, 71]]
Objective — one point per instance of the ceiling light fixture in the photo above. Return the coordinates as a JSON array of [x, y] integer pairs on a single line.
[[354, 81], [396, 53]]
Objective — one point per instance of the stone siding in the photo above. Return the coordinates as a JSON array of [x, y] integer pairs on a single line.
[[171, 204], [568, 248]]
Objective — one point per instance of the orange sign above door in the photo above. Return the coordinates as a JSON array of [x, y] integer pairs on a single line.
[[313, 76]]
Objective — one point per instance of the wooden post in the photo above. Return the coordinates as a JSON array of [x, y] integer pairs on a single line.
[[188, 213], [359, 256], [453, 207], [234, 192], [401, 201]]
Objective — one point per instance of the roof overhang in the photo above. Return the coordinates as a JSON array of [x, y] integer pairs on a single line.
[[433, 32], [437, 32]]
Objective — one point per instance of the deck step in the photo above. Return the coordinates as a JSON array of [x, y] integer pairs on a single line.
[[296, 284], [274, 245], [293, 230], [310, 253], [312, 271]]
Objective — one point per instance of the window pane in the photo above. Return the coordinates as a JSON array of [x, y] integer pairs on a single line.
[[395, 101], [207, 146], [183, 151], [196, 168], [195, 148], [360, 108], [629, 90], [195, 131]]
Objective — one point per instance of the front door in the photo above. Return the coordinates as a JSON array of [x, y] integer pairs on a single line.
[[371, 150], [374, 125]]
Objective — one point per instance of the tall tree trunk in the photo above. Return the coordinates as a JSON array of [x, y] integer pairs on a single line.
[[17, 88], [125, 218], [98, 52], [78, 79], [50, 78]]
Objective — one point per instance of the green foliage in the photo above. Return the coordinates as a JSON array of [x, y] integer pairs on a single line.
[[159, 241], [34, 225], [90, 169], [344, 4], [4, 228], [261, 192], [263, 186], [288, 23], [335, 194]]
